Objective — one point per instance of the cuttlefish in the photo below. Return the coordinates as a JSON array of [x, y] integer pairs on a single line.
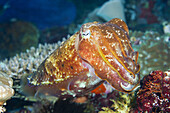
[[95, 54]]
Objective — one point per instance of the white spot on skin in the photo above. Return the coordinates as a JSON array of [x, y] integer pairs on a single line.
[[82, 84], [110, 60], [113, 44], [104, 48]]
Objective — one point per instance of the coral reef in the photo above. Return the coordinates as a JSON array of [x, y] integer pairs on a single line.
[[6, 91], [154, 94], [153, 50], [16, 37]]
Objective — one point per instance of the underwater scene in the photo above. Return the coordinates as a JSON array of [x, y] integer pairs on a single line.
[[85, 56]]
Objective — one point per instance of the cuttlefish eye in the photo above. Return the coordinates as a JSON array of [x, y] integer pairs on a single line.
[[86, 34], [83, 34]]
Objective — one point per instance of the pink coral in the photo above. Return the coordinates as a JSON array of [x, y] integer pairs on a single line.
[[154, 94]]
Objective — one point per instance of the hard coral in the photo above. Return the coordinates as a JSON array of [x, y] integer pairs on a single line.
[[154, 95], [26, 62]]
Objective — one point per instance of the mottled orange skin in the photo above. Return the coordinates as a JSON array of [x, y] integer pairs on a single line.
[[108, 50], [96, 53], [62, 72]]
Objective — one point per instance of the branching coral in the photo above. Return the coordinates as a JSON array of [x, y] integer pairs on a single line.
[[6, 91], [154, 94], [27, 62]]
